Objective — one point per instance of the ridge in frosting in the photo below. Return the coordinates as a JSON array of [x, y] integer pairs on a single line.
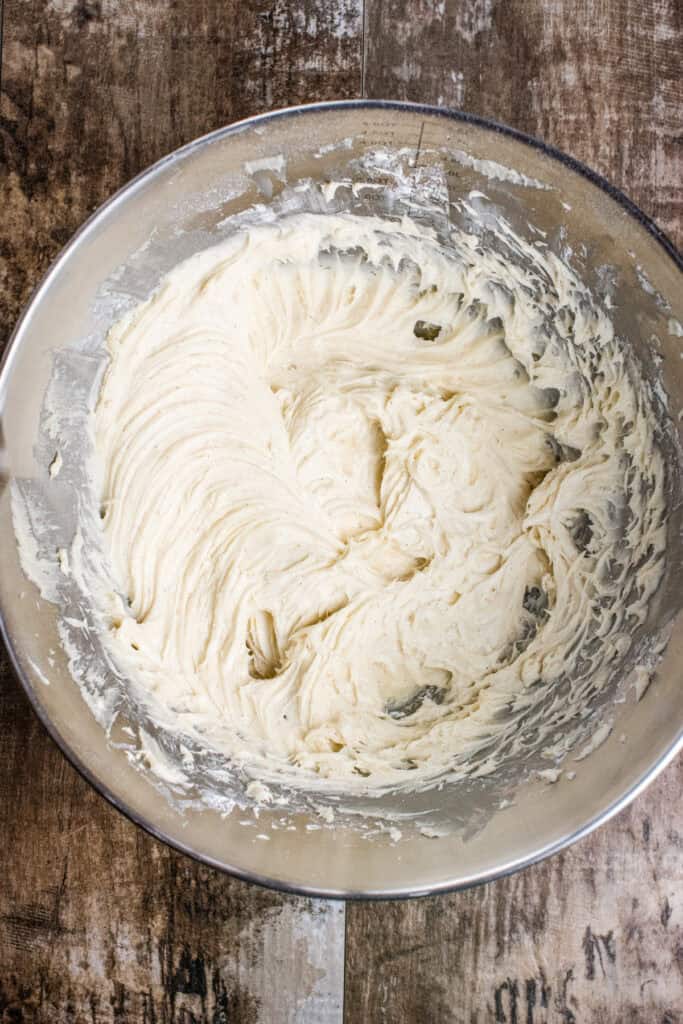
[[363, 493]]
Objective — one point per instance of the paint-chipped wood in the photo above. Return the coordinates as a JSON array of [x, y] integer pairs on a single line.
[[98, 922], [101, 923], [93, 91], [595, 934], [599, 80]]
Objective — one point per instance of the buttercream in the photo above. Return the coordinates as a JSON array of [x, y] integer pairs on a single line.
[[364, 490]]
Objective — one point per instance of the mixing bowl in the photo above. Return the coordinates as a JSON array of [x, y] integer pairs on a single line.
[[464, 832]]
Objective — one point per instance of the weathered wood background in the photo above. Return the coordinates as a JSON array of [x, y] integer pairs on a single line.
[[98, 922]]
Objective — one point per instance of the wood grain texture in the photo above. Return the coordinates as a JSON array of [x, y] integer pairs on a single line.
[[96, 90], [601, 79], [595, 934], [98, 922], [591, 935]]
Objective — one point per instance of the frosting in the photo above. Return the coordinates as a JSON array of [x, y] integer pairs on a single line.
[[364, 492]]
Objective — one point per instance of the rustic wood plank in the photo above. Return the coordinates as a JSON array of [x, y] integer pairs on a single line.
[[599, 80], [101, 923], [130, 81], [98, 922], [595, 934], [96, 90]]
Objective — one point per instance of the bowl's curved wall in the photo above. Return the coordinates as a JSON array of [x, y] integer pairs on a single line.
[[181, 203]]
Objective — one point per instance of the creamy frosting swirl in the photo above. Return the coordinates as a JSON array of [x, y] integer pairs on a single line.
[[363, 491]]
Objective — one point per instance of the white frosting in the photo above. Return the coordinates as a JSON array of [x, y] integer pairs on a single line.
[[361, 491]]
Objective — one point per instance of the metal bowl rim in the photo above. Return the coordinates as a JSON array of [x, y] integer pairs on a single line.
[[506, 868]]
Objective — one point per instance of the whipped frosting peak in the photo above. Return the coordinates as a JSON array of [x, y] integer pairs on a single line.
[[362, 491]]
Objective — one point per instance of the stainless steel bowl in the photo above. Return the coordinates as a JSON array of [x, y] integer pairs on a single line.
[[180, 205]]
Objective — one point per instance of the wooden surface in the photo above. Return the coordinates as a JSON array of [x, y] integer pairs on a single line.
[[98, 922]]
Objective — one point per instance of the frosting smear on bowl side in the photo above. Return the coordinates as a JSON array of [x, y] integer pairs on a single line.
[[364, 493]]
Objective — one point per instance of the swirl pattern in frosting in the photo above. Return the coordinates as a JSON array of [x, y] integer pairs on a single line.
[[363, 491]]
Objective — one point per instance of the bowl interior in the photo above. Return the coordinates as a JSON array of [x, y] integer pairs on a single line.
[[189, 201]]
